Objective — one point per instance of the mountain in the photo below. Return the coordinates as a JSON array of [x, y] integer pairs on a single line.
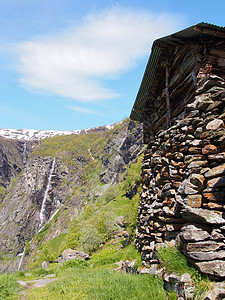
[[54, 179], [38, 135]]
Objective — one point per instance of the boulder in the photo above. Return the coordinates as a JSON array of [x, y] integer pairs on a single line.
[[192, 185], [70, 254]]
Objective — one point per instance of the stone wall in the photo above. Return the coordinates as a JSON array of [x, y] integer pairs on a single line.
[[183, 197]]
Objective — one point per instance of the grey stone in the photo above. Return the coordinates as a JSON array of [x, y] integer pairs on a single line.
[[214, 268], [215, 294], [217, 171], [215, 124], [200, 215], [216, 182], [45, 265], [192, 185], [194, 235], [70, 254], [206, 256], [205, 246]]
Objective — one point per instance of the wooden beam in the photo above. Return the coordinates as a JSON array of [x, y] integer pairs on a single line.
[[211, 32], [168, 114]]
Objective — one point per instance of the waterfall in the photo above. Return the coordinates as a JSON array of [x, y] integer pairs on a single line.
[[24, 153], [43, 206], [21, 259], [89, 150]]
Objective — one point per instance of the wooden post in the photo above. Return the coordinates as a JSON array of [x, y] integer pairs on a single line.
[[168, 115]]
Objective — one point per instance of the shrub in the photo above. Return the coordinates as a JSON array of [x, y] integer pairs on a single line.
[[72, 239], [104, 222], [27, 248], [111, 193], [47, 254], [90, 238]]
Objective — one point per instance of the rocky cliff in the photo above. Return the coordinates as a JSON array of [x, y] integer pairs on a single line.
[[61, 176]]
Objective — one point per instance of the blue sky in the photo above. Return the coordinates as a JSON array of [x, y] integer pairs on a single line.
[[68, 64]]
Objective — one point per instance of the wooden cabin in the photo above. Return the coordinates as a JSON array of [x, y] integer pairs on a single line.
[[181, 102], [170, 78]]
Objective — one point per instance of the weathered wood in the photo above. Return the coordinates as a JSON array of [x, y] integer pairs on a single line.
[[211, 32], [168, 114], [174, 86]]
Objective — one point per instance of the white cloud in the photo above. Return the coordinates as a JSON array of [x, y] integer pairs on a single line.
[[84, 110], [73, 63]]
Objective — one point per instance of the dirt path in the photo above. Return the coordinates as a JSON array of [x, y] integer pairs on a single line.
[[35, 283]]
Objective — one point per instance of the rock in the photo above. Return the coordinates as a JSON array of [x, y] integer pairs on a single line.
[[190, 158], [218, 156], [45, 265], [121, 221], [217, 171], [198, 164], [209, 149], [195, 143], [70, 254], [127, 266], [214, 268], [214, 196], [216, 235], [205, 246], [215, 124], [194, 235], [206, 256], [200, 215], [195, 150], [217, 292], [216, 182], [193, 200], [181, 285], [192, 185]]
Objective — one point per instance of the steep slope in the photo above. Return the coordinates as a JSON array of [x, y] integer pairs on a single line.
[[13, 156], [61, 176]]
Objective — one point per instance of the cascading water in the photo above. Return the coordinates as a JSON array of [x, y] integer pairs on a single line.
[[24, 153], [89, 151], [43, 206], [21, 259]]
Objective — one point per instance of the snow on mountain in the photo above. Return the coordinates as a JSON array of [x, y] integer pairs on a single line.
[[34, 135]]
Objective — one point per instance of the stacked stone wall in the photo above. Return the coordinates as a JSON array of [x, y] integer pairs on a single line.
[[183, 197]]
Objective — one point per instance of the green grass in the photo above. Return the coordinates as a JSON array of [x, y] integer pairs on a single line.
[[174, 261], [8, 287], [100, 283]]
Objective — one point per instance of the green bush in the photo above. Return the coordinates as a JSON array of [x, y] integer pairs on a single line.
[[72, 239], [111, 193], [90, 238], [131, 215], [27, 248], [47, 254], [2, 192]]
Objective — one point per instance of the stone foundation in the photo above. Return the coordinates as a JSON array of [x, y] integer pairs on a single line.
[[183, 197]]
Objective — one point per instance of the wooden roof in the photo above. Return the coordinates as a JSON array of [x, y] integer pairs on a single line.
[[160, 46]]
